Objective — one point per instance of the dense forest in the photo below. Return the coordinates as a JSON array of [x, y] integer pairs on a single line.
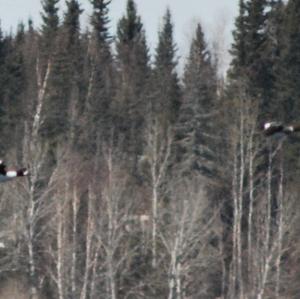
[[147, 183]]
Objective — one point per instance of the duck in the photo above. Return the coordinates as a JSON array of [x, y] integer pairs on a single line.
[[7, 175]]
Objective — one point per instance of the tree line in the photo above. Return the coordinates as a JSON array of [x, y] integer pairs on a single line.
[[146, 183]]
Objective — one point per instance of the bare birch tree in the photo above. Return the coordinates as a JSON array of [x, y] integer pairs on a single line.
[[187, 228], [35, 157], [109, 209], [154, 166]]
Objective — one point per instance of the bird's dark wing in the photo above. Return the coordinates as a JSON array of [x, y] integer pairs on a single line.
[[272, 128], [2, 168], [296, 127]]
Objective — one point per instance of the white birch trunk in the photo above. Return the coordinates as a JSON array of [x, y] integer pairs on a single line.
[[266, 269], [175, 288], [88, 241], [233, 276], [159, 156], [94, 274], [74, 240], [175, 280], [154, 160], [111, 226], [59, 263], [240, 205], [280, 231], [250, 213], [32, 269], [37, 121], [267, 251], [154, 225], [33, 150]]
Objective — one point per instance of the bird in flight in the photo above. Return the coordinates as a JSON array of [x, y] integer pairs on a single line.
[[277, 128], [7, 175]]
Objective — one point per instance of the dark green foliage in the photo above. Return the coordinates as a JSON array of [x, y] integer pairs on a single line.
[[133, 72], [288, 87], [130, 26], [272, 49], [71, 25], [132, 52], [238, 49], [251, 62], [55, 111], [287, 76], [13, 86], [196, 129], [50, 19], [100, 19], [49, 29], [99, 82], [64, 79], [166, 89]]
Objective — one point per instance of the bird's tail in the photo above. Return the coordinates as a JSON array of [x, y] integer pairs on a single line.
[[296, 127], [22, 172]]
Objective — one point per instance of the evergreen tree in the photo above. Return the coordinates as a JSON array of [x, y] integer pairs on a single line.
[[50, 22], [49, 29], [31, 50], [4, 42], [72, 53], [99, 80], [238, 50], [16, 68], [195, 130], [13, 86], [132, 52], [250, 69], [100, 20], [273, 46], [287, 107], [133, 73], [288, 88], [166, 100], [65, 70], [71, 25]]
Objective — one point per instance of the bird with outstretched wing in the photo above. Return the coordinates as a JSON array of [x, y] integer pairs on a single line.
[[7, 175], [276, 128]]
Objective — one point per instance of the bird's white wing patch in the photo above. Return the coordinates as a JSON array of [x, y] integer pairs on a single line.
[[11, 174], [267, 125]]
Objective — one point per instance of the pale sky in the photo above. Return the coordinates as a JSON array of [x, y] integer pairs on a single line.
[[216, 16]]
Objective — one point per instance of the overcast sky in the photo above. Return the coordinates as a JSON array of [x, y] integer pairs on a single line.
[[216, 16]]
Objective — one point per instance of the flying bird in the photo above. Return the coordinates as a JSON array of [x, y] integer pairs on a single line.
[[7, 175], [277, 128]]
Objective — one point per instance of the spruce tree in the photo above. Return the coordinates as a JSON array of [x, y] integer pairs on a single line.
[[288, 88], [99, 78], [238, 49], [50, 20], [195, 128], [31, 52], [4, 50], [65, 63], [133, 72], [14, 86], [273, 46], [71, 25], [100, 20], [49, 28], [166, 100], [288, 82], [72, 56], [250, 69]]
